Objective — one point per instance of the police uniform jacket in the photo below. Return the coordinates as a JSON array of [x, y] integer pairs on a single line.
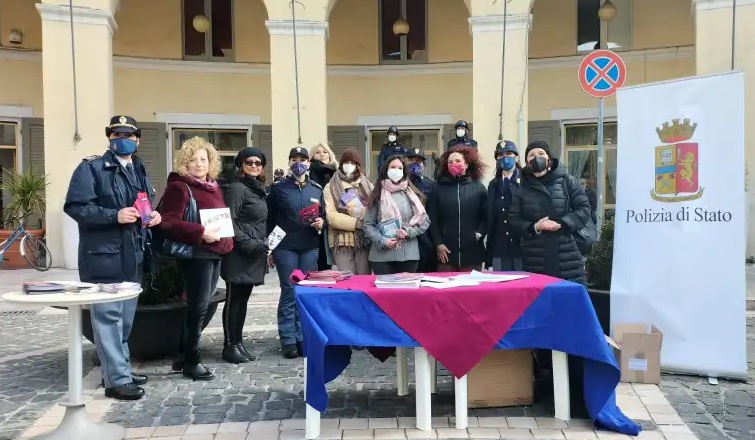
[[465, 141], [389, 149], [284, 202], [109, 252], [502, 240]]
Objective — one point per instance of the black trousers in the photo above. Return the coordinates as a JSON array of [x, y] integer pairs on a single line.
[[200, 277], [234, 311], [391, 267]]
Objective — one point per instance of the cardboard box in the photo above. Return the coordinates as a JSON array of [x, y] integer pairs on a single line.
[[639, 353], [502, 378]]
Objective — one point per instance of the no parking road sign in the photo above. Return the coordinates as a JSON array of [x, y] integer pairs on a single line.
[[601, 73]]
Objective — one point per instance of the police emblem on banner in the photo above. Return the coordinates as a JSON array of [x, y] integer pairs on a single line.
[[677, 163]]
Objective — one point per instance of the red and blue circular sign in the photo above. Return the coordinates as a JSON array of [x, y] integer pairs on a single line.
[[601, 73]]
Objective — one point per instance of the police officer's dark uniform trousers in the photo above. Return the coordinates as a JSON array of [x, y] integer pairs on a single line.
[[110, 252]]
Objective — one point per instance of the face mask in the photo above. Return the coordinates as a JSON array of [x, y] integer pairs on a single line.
[[538, 164], [460, 132], [392, 138], [298, 169], [395, 174], [456, 169], [349, 168], [123, 146], [415, 169], [507, 162]]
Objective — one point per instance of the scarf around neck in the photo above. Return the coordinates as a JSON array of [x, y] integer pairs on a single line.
[[337, 189], [389, 210]]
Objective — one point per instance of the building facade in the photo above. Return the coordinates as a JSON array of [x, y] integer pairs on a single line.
[[226, 70]]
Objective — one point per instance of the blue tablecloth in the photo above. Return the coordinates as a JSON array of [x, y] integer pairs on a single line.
[[561, 318]]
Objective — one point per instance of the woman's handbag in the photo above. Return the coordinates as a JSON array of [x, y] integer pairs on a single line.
[[585, 236], [173, 248]]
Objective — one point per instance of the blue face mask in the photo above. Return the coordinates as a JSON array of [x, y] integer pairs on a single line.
[[507, 162], [298, 169], [415, 169], [123, 146]]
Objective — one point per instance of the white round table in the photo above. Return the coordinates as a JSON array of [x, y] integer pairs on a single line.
[[76, 423]]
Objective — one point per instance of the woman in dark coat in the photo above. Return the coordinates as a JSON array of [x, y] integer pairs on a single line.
[[548, 208], [245, 266], [458, 211], [504, 247]]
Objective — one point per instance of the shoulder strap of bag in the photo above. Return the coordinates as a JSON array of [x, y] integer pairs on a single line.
[[190, 213]]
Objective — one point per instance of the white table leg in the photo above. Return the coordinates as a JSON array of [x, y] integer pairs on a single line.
[[460, 394], [561, 385], [312, 417], [76, 423], [402, 378], [422, 381], [433, 375]]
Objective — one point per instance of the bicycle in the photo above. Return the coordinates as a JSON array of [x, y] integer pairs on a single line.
[[33, 249]]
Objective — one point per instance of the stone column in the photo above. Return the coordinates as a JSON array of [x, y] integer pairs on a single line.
[[486, 25], [713, 30], [311, 37], [93, 35]]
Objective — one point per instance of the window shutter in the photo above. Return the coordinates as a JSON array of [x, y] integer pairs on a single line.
[[262, 138], [153, 151], [545, 131], [343, 137], [33, 152]]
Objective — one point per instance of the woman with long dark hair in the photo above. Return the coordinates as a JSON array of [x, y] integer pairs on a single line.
[[458, 211], [395, 218], [504, 247], [245, 267]]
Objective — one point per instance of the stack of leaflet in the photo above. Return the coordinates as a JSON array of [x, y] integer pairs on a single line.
[[74, 287], [474, 278], [325, 277], [399, 281]]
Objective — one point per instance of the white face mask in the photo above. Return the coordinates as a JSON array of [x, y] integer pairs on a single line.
[[392, 138], [395, 174], [460, 132], [349, 168]]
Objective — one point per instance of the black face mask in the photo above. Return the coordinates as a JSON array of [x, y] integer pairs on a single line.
[[538, 164]]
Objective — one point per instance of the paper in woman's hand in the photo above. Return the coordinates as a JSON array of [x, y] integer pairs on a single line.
[[309, 214], [218, 219], [352, 203], [389, 228], [275, 237]]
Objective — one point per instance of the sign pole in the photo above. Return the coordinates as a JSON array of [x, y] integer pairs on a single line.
[[601, 167]]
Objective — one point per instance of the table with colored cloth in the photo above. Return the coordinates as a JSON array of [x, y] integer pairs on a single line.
[[458, 327]]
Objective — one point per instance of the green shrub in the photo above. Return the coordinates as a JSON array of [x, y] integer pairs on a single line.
[[600, 260]]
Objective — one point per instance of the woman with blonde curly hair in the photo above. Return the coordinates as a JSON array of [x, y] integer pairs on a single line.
[[197, 165], [322, 167]]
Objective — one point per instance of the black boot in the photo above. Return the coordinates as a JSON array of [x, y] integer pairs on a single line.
[[300, 348], [197, 372], [244, 351], [128, 391], [290, 351], [233, 355]]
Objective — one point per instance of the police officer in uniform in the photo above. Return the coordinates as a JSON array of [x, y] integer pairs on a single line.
[[390, 148], [462, 138], [113, 240], [428, 258]]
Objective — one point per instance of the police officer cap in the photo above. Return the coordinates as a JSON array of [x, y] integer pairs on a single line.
[[123, 124], [505, 147], [392, 129], [415, 152], [461, 123], [298, 151]]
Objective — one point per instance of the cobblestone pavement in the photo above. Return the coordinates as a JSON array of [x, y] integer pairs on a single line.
[[270, 388], [713, 412]]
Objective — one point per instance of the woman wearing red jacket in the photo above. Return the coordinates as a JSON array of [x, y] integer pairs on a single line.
[[197, 167]]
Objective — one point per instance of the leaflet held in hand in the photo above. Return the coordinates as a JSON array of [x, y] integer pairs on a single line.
[[275, 237], [217, 218]]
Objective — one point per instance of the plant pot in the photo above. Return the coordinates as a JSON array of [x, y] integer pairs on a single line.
[[601, 302], [12, 258], [156, 333]]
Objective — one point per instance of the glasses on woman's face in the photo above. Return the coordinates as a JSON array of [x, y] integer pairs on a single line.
[[253, 163]]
